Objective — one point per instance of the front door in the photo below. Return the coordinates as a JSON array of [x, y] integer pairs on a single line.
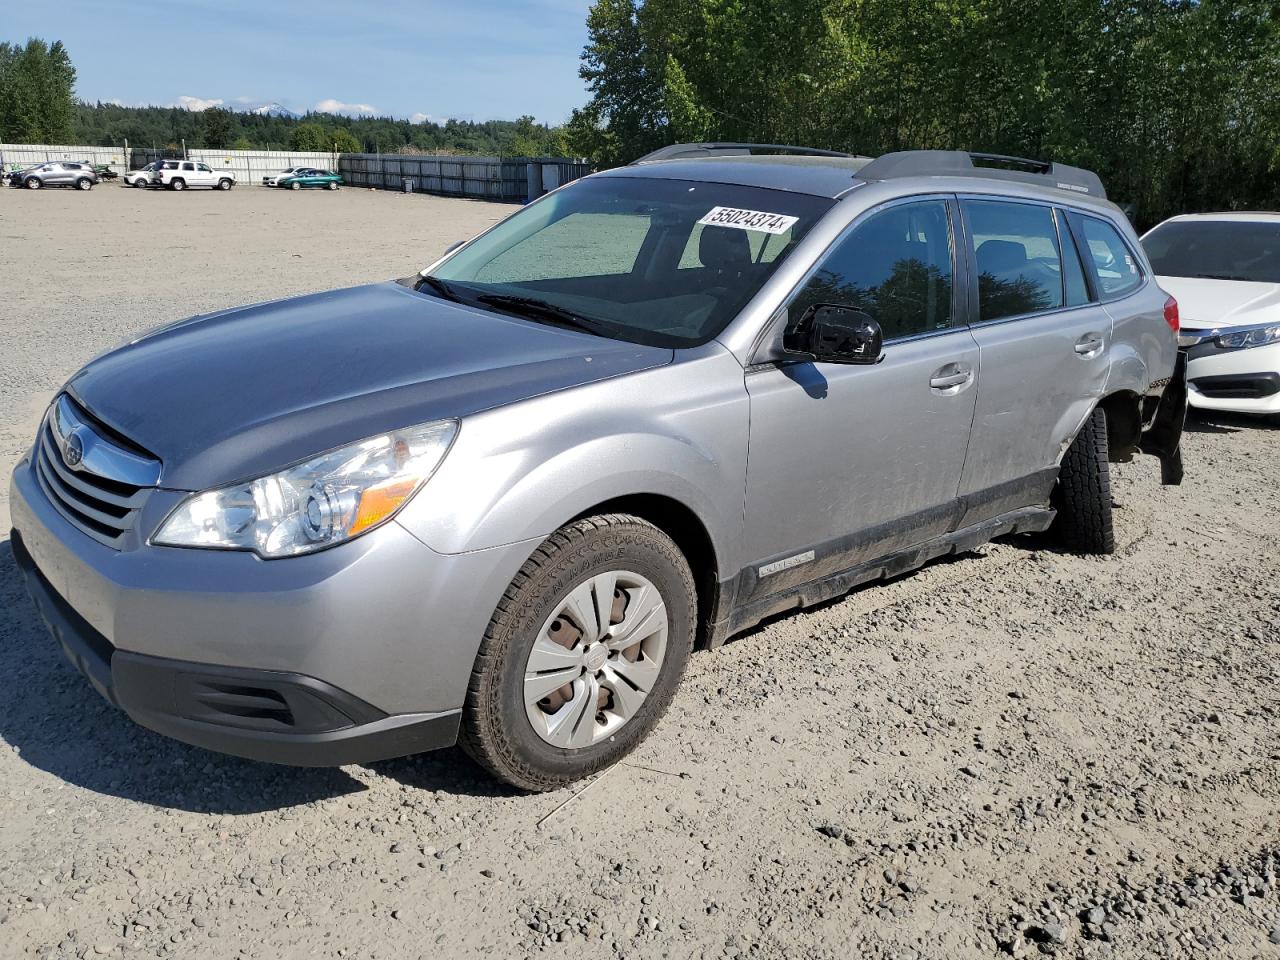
[[1044, 340], [851, 463]]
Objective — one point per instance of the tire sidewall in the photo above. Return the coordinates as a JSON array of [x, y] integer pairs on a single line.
[[633, 547]]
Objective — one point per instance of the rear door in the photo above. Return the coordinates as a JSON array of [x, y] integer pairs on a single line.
[[851, 463], [1044, 341]]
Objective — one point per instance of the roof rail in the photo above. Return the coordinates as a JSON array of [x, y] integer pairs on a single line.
[[991, 166], [691, 151]]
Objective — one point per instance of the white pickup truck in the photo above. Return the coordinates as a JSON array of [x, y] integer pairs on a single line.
[[184, 174]]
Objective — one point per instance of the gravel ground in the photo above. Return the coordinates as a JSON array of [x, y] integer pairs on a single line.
[[1012, 753]]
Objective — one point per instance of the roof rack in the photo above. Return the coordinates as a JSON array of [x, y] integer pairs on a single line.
[[691, 151], [991, 166]]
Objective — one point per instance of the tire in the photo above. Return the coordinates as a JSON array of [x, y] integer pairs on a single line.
[[34, 183], [1082, 496], [224, 184], [178, 185], [331, 185], [295, 185], [140, 182], [498, 720], [84, 183]]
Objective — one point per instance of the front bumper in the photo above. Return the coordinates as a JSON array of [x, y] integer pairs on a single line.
[[275, 716], [1241, 381], [351, 654]]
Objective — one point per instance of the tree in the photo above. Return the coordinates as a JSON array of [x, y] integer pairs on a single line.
[[37, 84], [1175, 103], [317, 138], [216, 127]]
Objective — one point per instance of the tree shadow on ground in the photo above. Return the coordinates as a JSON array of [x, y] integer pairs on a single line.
[[56, 722]]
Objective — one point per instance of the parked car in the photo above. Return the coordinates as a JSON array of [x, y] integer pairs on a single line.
[[1224, 268], [61, 173], [140, 178], [190, 174], [500, 501], [273, 180], [309, 177]]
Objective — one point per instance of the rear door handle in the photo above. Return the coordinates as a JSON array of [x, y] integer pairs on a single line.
[[1090, 345], [950, 377]]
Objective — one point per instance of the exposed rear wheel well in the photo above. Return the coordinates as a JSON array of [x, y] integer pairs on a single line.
[[689, 533], [1124, 425]]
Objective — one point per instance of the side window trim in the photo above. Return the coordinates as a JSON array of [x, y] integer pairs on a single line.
[[1072, 233], [959, 314]]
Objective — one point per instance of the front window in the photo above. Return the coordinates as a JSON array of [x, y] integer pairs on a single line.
[[896, 266], [1216, 250], [661, 262]]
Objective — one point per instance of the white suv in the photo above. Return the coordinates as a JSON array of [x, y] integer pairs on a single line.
[[182, 174]]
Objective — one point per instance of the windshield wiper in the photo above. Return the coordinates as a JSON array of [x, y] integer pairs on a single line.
[[440, 287], [540, 309]]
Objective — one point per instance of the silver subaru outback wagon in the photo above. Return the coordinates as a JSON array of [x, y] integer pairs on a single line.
[[500, 502]]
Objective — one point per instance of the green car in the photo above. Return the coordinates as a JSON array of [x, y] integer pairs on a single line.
[[309, 177]]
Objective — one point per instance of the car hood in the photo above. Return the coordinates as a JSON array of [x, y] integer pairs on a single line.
[[1206, 304], [239, 394]]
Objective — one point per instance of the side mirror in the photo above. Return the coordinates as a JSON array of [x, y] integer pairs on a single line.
[[453, 246], [831, 333]]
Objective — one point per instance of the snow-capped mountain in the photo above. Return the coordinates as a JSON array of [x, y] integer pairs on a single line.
[[275, 109]]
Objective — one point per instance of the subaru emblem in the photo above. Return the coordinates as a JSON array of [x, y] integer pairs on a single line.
[[73, 452]]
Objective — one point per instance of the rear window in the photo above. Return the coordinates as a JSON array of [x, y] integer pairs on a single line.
[[1216, 250], [1015, 246]]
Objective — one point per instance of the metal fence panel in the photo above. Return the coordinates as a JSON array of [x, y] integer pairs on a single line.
[[512, 179]]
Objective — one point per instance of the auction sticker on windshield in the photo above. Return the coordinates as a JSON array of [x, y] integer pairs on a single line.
[[748, 220]]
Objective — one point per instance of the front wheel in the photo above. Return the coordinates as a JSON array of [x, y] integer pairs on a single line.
[[140, 182], [34, 183], [1083, 494], [224, 184], [583, 654], [331, 185]]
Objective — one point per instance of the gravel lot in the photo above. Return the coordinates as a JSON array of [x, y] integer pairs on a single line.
[[1014, 752]]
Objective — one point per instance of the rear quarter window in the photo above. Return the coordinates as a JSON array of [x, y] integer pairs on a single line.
[[1107, 257]]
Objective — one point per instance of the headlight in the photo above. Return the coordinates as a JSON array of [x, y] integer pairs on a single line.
[[1256, 337], [316, 504]]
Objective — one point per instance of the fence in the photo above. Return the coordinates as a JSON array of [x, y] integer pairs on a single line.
[[28, 154], [513, 179], [249, 166]]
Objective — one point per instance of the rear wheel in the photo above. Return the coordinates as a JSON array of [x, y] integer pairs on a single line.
[[1083, 494], [295, 185], [84, 183], [331, 185], [178, 185], [583, 654]]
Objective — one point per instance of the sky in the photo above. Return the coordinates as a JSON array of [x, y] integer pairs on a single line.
[[472, 59]]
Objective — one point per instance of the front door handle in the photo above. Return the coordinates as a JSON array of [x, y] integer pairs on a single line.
[[951, 378], [1090, 345]]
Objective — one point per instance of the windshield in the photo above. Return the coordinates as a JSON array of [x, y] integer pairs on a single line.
[[1216, 250], [662, 262]]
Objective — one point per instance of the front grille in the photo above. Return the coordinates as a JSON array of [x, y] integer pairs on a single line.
[[99, 495]]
